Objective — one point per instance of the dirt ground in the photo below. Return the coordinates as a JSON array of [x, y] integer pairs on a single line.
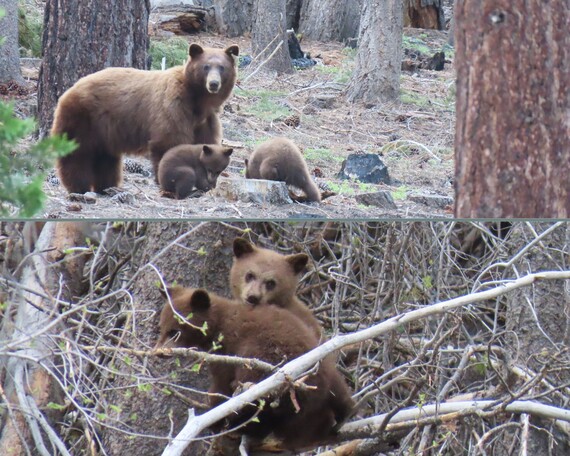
[[413, 137]]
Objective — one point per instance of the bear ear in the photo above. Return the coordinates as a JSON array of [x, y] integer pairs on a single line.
[[242, 247], [297, 261], [232, 50], [195, 50], [228, 151], [200, 301], [207, 150]]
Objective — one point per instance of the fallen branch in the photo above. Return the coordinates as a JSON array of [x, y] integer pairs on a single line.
[[296, 368]]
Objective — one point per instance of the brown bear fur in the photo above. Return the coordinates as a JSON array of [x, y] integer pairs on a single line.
[[124, 110], [262, 332], [279, 159], [188, 166], [261, 276]]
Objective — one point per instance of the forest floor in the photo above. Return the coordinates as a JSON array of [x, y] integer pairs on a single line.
[[413, 137]]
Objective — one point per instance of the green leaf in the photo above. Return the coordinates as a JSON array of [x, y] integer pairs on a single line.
[[54, 406], [195, 368], [115, 408]]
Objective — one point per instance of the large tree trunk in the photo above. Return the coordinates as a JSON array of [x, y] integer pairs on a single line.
[[293, 8], [269, 34], [9, 50], [376, 77], [234, 17], [201, 259], [511, 142], [426, 14], [100, 34], [538, 321], [330, 20]]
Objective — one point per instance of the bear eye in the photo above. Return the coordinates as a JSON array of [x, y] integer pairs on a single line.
[[270, 285], [221, 69], [206, 67], [249, 277]]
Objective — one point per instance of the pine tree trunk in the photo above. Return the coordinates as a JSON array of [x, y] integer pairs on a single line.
[[538, 324], [426, 14], [511, 143], [9, 50], [234, 17], [293, 8], [330, 20], [376, 77], [270, 24], [82, 38]]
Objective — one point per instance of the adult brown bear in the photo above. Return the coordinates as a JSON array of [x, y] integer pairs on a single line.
[[268, 333], [123, 110]]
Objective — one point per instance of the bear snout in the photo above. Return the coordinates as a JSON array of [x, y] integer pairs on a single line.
[[213, 82], [253, 300]]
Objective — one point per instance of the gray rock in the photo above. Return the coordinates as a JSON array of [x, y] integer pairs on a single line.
[[438, 201], [257, 191], [365, 168], [382, 199], [322, 101]]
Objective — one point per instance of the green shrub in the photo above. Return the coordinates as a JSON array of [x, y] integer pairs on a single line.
[[30, 30], [174, 49], [22, 172]]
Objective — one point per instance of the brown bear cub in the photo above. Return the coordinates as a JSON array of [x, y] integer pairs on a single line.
[[188, 166], [268, 333], [261, 276], [279, 159], [124, 110]]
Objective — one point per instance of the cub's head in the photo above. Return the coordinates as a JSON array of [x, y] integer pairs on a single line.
[[214, 160], [262, 276], [212, 69], [185, 327]]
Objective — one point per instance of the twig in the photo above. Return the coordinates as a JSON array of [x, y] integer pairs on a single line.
[[262, 64]]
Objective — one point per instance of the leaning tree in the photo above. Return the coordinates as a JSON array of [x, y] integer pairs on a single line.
[[82, 38]]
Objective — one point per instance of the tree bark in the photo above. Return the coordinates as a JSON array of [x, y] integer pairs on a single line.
[[538, 321], [293, 8], [376, 76], [26, 381], [330, 20], [426, 14], [9, 50], [270, 33], [203, 259], [511, 142], [234, 17], [101, 34]]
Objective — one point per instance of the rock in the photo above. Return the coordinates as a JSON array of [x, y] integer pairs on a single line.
[[366, 168], [87, 198], [257, 191], [322, 101], [382, 198], [437, 201]]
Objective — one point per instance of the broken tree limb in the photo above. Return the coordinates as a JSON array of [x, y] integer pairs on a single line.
[[294, 369]]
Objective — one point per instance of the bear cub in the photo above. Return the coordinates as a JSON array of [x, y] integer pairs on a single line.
[[268, 333], [279, 159], [119, 111], [188, 166], [261, 276]]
